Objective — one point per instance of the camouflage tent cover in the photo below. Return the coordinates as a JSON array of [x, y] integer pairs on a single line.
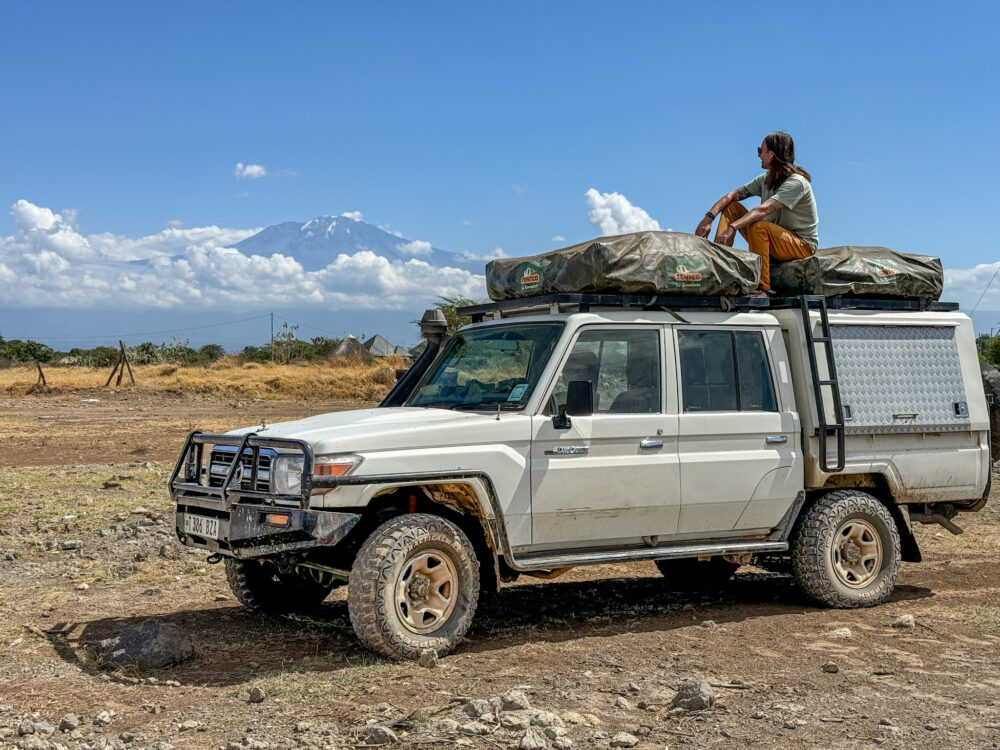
[[876, 271], [636, 263]]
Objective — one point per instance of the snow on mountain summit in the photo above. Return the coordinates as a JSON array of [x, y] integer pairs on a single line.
[[318, 242]]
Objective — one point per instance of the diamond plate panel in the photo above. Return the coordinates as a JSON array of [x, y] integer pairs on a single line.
[[892, 370]]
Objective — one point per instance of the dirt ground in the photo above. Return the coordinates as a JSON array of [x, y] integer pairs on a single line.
[[87, 549]]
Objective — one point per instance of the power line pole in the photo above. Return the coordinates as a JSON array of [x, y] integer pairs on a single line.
[[271, 348]]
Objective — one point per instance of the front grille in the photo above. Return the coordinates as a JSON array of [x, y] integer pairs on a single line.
[[221, 459]]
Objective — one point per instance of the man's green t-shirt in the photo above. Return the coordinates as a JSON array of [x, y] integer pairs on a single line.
[[799, 213]]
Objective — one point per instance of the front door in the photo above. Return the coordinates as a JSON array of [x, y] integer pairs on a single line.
[[611, 477]]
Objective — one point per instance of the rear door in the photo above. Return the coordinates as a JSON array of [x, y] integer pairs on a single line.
[[612, 476], [738, 451]]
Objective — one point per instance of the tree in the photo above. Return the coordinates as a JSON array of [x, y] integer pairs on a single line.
[[322, 346], [25, 351], [993, 352], [211, 352]]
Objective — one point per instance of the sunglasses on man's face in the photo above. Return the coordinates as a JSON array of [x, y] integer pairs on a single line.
[[759, 150]]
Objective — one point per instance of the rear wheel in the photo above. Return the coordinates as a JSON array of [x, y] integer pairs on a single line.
[[690, 573], [414, 585], [846, 551], [262, 589]]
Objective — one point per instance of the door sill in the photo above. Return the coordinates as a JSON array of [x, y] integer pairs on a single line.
[[550, 560]]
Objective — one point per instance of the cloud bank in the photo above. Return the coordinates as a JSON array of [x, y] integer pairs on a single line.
[[612, 213], [48, 262]]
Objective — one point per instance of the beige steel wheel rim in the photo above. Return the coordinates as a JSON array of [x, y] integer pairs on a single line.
[[856, 553], [426, 591]]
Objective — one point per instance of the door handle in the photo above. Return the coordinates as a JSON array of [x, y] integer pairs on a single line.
[[777, 439], [650, 443], [568, 450]]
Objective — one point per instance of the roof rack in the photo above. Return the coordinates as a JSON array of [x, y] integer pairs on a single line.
[[553, 303]]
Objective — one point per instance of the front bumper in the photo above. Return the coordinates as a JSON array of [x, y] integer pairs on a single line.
[[245, 514]]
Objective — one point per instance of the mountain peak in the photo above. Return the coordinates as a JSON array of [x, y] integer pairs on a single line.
[[317, 243]]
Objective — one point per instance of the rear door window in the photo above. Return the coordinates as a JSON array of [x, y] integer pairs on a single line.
[[725, 371]]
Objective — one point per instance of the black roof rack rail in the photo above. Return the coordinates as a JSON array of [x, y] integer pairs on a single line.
[[840, 302], [584, 302], [625, 301]]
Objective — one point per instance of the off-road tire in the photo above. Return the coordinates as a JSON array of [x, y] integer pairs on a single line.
[[814, 544], [380, 564], [690, 573], [263, 590]]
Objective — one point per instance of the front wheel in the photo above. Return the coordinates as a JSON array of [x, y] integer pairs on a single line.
[[262, 589], [846, 551], [414, 585]]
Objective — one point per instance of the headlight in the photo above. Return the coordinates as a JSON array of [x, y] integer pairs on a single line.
[[334, 466], [286, 475]]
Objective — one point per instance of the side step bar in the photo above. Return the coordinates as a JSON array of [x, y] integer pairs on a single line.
[[549, 560]]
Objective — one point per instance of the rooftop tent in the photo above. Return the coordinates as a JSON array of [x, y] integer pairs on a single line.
[[636, 263], [857, 270]]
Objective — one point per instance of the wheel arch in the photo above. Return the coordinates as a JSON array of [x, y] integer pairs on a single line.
[[456, 500], [878, 486]]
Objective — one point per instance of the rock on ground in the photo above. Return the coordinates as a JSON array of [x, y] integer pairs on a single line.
[[904, 621], [152, 645], [624, 739], [477, 708], [694, 695], [379, 735], [515, 700], [532, 740]]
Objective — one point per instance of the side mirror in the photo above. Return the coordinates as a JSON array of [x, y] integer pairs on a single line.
[[580, 398], [579, 403]]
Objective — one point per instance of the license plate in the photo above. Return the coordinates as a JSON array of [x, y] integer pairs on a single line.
[[201, 526]]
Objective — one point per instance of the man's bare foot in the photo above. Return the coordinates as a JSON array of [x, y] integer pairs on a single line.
[[758, 294]]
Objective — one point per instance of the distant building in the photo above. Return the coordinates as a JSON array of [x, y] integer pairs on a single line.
[[379, 347], [350, 348]]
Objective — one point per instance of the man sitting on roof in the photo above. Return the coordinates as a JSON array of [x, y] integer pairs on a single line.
[[786, 200]]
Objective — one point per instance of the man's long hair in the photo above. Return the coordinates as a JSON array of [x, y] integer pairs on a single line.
[[783, 164]]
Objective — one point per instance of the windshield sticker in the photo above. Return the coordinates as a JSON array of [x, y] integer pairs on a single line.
[[517, 392]]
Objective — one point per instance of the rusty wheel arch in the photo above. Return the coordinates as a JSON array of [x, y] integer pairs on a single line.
[[456, 501]]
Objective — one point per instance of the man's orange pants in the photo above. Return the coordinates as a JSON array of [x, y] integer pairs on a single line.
[[767, 240]]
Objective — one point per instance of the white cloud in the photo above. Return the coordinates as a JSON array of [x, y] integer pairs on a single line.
[[250, 171], [175, 223], [466, 223], [494, 254], [356, 215], [612, 213], [417, 247], [47, 263], [966, 285], [558, 238]]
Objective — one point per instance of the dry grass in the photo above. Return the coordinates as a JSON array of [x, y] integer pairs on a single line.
[[332, 379]]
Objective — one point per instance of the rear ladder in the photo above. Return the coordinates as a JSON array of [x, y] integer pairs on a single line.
[[826, 427]]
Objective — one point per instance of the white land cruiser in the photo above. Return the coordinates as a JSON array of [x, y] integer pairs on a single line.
[[583, 429]]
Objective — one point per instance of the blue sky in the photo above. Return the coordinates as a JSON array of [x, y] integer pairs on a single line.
[[475, 126]]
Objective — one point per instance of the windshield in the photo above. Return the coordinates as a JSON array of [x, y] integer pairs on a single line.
[[487, 367]]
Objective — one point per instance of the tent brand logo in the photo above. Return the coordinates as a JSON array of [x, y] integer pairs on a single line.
[[682, 274], [885, 270], [531, 277]]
